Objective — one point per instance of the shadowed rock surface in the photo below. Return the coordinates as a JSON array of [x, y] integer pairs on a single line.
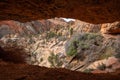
[[94, 11], [11, 71], [13, 55]]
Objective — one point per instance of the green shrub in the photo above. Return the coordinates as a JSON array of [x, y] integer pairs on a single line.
[[51, 35], [71, 31], [72, 50], [92, 36], [88, 70], [83, 45], [85, 42], [54, 60], [51, 59], [101, 67]]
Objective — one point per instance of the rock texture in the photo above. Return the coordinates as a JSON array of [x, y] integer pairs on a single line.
[[33, 27], [40, 44], [113, 28], [94, 11], [43, 41], [48, 41], [10, 70]]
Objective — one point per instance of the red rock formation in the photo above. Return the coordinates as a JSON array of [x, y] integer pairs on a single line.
[[113, 28], [94, 11], [12, 26], [34, 27], [10, 71], [22, 71]]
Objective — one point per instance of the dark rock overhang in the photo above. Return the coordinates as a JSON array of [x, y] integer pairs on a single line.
[[93, 11]]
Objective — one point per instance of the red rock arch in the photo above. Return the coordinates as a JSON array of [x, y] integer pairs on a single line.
[[94, 11]]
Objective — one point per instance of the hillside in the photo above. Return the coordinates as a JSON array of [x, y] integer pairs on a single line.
[[75, 45]]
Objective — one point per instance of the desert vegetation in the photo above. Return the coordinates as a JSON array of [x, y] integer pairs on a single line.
[[83, 41], [55, 60]]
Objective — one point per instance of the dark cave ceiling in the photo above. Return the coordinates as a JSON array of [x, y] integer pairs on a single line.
[[93, 11]]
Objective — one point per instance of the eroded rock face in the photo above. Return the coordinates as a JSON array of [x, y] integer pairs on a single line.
[[48, 42], [40, 26], [94, 11], [81, 26], [111, 28]]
